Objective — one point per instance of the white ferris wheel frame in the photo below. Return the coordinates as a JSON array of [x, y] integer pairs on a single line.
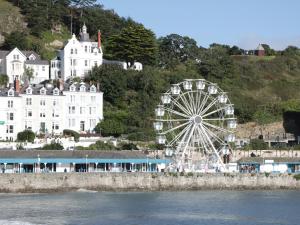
[[193, 120]]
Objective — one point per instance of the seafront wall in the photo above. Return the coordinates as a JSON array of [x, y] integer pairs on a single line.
[[51, 182]]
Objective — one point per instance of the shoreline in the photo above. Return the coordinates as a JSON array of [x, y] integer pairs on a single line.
[[142, 182]]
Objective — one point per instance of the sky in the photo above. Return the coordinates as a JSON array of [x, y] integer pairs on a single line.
[[244, 23]]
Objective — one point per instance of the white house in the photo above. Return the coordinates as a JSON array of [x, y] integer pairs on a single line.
[[14, 62], [78, 57], [49, 109]]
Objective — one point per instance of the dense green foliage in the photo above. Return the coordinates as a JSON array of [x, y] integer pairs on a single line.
[[72, 133], [26, 135], [133, 43], [53, 146], [263, 89], [257, 144]]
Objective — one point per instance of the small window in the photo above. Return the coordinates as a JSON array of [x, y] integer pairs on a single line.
[[72, 51], [10, 104], [29, 113], [56, 91], [82, 88], [43, 68], [85, 48], [75, 50], [93, 98], [42, 114], [85, 62], [10, 116], [42, 102], [93, 89], [28, 101], [29, 91], [10, 93], [43, 91]]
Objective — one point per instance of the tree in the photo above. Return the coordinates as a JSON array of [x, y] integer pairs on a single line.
[[28, 74], [134, 43], [112, 80], [174, 49], [16, 39], [3, 80], [26, 135], [268, 50]]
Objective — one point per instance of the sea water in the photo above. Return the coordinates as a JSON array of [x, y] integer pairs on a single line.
[[152, 208]]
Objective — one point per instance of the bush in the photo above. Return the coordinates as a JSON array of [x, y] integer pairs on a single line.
[[26, 135], [297, 176], [257, 144], [71, 133], [53, 146]]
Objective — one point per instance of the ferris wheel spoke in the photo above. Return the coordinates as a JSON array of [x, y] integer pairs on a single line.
[[201, 140], [204, 101], [191, 97], [187, 142], [187, 104], [215, 111], [209, 106], [175, 128], [176, 112], [171, 120], [218, 119], [180, 134], [186, 110], [198, 100], [213, 147], [217, 127], [212, 134]]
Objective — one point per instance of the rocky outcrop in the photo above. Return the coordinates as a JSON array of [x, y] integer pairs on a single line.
[[52, 182]]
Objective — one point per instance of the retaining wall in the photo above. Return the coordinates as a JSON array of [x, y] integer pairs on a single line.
[[52, 182]]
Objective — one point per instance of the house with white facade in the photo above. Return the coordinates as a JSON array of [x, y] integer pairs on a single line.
[[49, 109], [14, 62], [79, 56]]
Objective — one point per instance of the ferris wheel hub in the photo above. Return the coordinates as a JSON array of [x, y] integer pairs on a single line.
[[197, 119]]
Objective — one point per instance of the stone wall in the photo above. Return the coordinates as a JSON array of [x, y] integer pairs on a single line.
[[142, 182]]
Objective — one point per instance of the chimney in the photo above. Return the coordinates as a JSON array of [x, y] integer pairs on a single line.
[[17, 85], [99, 39], [98, 86], [60, 84]]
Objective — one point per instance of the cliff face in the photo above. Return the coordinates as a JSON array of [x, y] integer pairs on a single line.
[[10, 19], [52, 182]]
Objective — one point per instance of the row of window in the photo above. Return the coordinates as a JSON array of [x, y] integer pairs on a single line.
[[82, 98], [72, 110], [72, 123]]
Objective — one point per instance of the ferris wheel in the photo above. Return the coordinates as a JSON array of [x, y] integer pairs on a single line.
[[195, 121]]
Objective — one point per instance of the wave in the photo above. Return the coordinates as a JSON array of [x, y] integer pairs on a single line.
[[13, 222]]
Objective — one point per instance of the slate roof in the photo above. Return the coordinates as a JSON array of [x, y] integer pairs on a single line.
[[37, 62], [4, 91], [3, 53], [36, 90]]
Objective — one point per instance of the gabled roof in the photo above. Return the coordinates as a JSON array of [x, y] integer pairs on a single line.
[[37, 62], [260, 48]]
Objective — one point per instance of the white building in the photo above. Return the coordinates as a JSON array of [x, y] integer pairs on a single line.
[[78, 57], [14, 62], [49, 109]]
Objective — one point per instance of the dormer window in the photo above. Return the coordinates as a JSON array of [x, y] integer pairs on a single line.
[[43, 91], [72, 88], [93, 88], [11, 93], [29, 91], [56, 91], [82, 88]]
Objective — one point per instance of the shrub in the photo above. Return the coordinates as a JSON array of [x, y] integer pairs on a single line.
[[71, 133], [53, 146], [297, 176], [26, 135]]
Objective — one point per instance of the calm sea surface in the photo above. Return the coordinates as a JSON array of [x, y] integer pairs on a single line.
[[163, 208]]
